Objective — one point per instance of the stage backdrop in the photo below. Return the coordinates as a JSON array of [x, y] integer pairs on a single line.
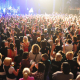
[[38, 6]]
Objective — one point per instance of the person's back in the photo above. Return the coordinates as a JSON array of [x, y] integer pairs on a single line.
[[65, 74], [59, 75]]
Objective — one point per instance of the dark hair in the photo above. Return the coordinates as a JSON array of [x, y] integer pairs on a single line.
[[69, 41], [43, 44], [21, 39], [12, 46], [5, 37], [3, 44], [42, 36], [41, 67], [78, 37], [68, 36], [2, 30], [17, 44], [25, 55], [2, 36], [20, 52], [45, 56], [75, 38], [34, 33], [65, 67]]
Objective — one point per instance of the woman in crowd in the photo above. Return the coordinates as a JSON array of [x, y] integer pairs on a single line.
[[3, 50], [39, 74], [11, 52], [56, 47], [18, 59], [68, 46], [2, 72], [35, 53], [11, 73], [26, 73], [25, 44]]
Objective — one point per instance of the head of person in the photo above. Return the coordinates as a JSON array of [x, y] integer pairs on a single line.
[[78, 57], [57, 41], [68, 36], [69, 41], [35, 49], [25, 55], [7, 61], [21, 39], [45, 31], [0, 56], [20, 52], [42, 36], [75, 38], [3, 44], [12, 46], [58, 57], [26, 72], [38, 39], [43, 44], [69, 55], [25, 39], [61, 52], [45, 57], [2, 36], [40, 67], [78, 36], [65, 67]]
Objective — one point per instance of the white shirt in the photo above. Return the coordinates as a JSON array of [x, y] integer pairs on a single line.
[[32, 57]]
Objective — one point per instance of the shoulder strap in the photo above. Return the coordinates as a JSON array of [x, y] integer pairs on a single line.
[[35, 57]]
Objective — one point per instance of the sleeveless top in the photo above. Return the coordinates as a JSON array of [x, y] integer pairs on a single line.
[[26, 47], [11, 55], [11, 76]]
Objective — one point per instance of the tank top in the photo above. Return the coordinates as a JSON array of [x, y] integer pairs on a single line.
[[11, 76], [11, 55], [26, 47]]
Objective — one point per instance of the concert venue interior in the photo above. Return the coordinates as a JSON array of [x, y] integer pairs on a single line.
[[39, 39], [37, 6]]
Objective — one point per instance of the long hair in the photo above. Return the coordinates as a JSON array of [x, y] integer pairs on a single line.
[[12, 46], [25, 39], [35, 49], [41, 67]]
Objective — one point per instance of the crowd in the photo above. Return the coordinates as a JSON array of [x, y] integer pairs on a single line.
[[40, 47]]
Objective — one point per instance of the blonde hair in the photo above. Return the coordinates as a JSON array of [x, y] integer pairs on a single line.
[[0, 56], [58, 57], [7, 61], [25, 39], [26, 72], [35, 48], [69, 55], [38, 39], [57, 41], [45, 30]]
